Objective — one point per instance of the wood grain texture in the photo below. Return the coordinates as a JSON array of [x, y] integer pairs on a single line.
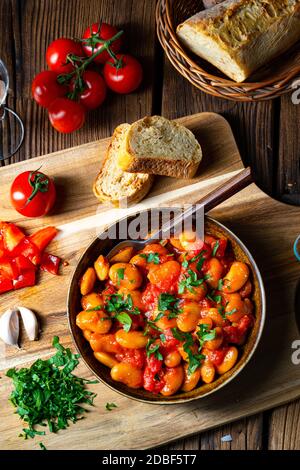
[[270, 378], [32, 25]]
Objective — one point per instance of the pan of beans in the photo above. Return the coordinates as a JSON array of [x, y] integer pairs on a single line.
[[171, 323]]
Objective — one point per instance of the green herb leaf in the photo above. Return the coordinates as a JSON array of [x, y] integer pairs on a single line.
[[125, 319], [120, 274], [48, 393], [205, 334], [110, 406], [153, 349], [190, 281], [42, 446], [231, 312], [194, 360], [151, 257], [216, 247]]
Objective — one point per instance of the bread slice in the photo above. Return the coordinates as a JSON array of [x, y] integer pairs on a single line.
[[115, 185], [239, 36], [156, 145]]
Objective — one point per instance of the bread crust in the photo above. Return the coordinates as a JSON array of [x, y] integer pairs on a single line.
[[156, 165], [239, 36], [141, 189]]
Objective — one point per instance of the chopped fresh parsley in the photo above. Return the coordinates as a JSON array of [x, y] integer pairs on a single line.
[[120, 309], [120, 274], [151, 257], [48, 393], [194, 360], [231, 312], [189, 282], [110, 406], [220, 284], [205, 334], [167, 302], [153, 349], [163, 338], [216, 247], [214, 298]]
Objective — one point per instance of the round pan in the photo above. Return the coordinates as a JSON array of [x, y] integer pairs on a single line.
[[103, 246]]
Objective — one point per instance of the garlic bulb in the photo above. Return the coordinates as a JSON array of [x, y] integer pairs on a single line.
[[10, 327], [30, 323]]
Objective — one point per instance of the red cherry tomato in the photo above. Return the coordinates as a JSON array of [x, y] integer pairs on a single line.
[[66, 115], [100, 32], [45, 88], [32, 194], [57, 54], [94, 92], [124, 77]]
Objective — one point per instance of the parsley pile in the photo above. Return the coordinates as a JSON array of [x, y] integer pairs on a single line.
[[150, 257], [48, 392], [190, 281]]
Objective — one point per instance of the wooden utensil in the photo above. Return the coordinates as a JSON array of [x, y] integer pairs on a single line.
[[209, 202]]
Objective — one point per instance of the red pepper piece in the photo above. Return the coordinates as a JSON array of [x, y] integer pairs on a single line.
[[7, 268], [12, 236], [23, 264], [50, 263], [43, 237], [25, 279], [5, 285], [29, 250]]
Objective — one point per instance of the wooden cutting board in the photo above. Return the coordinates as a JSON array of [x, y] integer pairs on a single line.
[[266, 226]]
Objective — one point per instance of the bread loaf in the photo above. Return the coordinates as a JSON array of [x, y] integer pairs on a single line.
[[156, 145], [239, 36], [114, 185]]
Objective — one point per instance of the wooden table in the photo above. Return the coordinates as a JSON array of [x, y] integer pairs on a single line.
[[267, 134]]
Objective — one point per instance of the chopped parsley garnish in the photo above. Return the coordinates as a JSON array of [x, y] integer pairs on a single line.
[[231, 312], [189, 282], [110, 406], [205, 334], [167, 302], [220, 284], [153, 349], [120, 274], [194, 360], [214, 298], [163, 338], [120, 308], [48, 393], [216, 247], [151, 257]]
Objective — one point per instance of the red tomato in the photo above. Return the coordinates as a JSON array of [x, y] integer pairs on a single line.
[[94, 36], [124, 77], [45, 88], [94, 91], [58, 52], [66, 115], [135, 357], [32, 194]]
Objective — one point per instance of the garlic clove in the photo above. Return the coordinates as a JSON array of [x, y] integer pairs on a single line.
[[10, 327], [30, 323]]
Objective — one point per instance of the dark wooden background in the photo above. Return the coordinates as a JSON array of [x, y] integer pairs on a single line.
[[267, 134]]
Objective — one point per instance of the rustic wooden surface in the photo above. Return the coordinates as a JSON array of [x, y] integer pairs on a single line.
[[267, 133], [270, 379]]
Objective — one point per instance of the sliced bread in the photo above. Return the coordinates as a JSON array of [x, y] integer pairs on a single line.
[[156, 145], [115, 185]]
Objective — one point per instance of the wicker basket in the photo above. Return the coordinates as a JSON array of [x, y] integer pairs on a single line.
[[269, 82]]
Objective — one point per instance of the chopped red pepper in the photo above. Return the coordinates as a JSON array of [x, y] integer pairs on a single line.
[[12, 236], [5, 285], [7, 269], [23, 264], [29, 250], [43, 237], [50, 263], [26, 279]]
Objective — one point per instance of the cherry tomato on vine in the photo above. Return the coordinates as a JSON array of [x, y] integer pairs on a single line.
[[46, 89], [66, 115], [124, 76], [94, 89], [94, 36], [57, 54], [32, 194]]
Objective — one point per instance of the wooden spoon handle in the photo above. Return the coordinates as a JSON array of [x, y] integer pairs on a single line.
[[228, 189]]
